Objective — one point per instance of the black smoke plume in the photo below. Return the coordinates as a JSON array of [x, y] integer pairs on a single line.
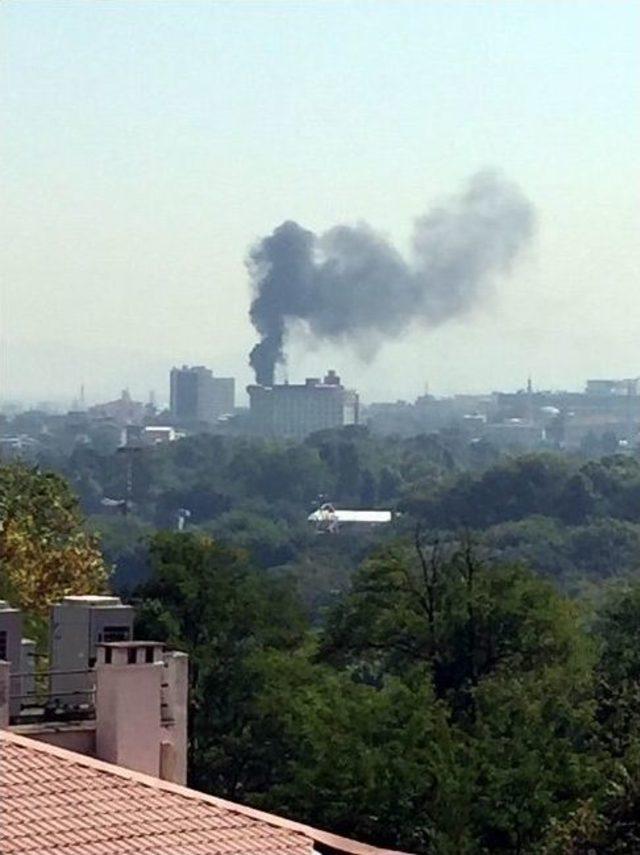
[[351, 285]]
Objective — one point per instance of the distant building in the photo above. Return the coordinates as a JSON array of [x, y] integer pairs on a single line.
[[123, 411], [578, 429], [428, 414], [199, 397], [612, 387], [295, 410], [607, 408], [149, 435], [514, 433]]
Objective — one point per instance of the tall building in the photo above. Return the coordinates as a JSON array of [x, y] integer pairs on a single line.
[[295, 410], [198, 396]]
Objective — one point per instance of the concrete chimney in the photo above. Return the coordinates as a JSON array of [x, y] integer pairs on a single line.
[[141, 708], [175, 694], [129, 678]]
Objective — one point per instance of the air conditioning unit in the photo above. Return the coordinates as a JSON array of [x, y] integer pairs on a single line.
[[11, 650], [78, 625]]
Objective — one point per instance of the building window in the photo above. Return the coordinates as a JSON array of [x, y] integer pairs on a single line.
[[3, 644]]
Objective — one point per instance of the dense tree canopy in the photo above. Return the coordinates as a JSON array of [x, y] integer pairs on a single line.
[[449, 705], [465, 680], [571, 519]]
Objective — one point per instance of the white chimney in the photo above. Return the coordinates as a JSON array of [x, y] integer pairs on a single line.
[[174, 710], [141, 708]]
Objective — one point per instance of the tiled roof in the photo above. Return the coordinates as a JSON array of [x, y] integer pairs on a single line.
[[55, 802]]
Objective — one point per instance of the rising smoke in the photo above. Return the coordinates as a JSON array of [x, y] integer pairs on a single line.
[[351, 285]]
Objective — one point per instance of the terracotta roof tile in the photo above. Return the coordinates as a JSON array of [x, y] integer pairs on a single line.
[[54, 802], [57, 802]]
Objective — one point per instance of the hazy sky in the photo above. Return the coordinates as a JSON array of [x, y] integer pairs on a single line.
[[147, 145]]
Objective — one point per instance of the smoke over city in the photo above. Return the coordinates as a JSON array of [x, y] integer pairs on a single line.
[[350, 285]]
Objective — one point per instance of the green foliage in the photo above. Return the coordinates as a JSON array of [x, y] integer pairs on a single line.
[[205, 599], [448, 698], [412, 604], [257, 494], [448, 707], [530, 742], [355, 758], [609, 821], [599, 550], [124, 544], [271, 542], [512, 490], [43, 496], [509, 663]]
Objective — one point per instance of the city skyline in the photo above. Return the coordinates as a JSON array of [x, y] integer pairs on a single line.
[[159, 397], [136, 183]]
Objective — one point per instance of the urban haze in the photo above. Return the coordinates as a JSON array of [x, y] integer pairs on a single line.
[[320, 427], [144, 154]]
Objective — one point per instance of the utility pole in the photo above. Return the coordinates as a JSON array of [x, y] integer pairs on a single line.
[[129, 452]]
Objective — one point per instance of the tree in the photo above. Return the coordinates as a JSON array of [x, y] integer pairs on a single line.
[[206, 599], [389, 484], [609, 820], [511, 490], [538, 542], [577, 501], [45, 553], [608, 547], [416, 604], [506, 657], [530, 750], [380, 764], [368, 489], [618, 671], [268, 542], [124, 544]]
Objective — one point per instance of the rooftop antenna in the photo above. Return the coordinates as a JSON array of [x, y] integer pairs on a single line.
[[82, 400]]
